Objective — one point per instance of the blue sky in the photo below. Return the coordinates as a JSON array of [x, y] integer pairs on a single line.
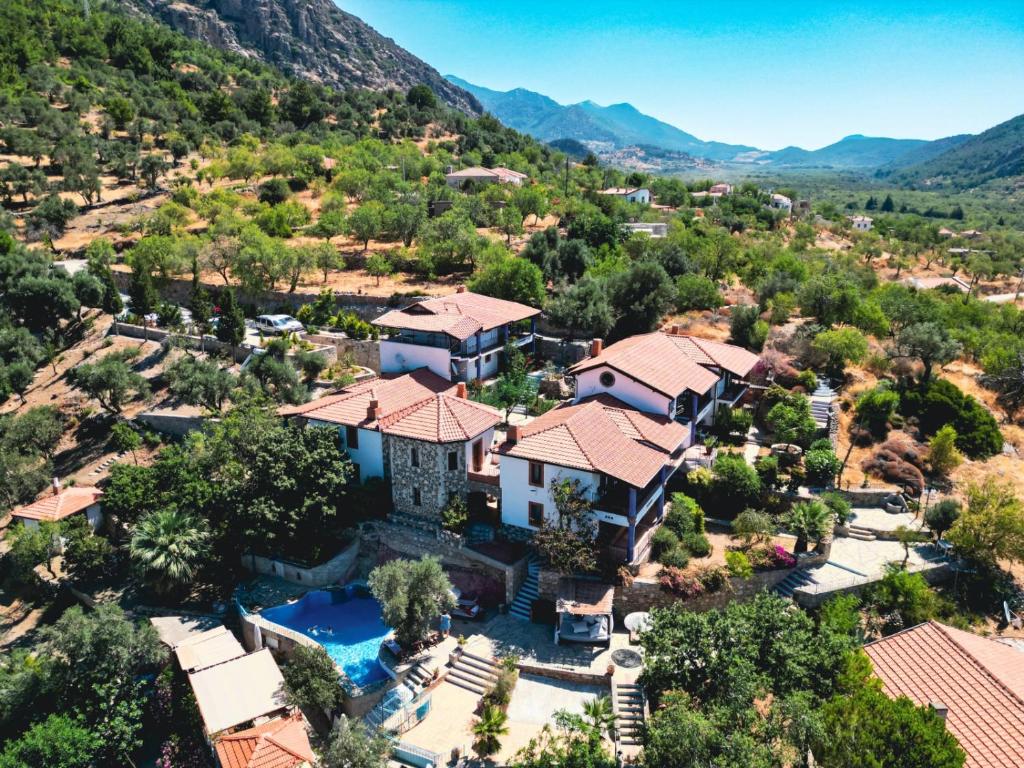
[[764, 73]]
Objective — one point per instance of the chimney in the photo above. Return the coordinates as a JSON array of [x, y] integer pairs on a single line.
[[940, 709], [675, 330], [595, 347], [460, 390], [513, 435], [373, 412], [461, 289], [55, 485]]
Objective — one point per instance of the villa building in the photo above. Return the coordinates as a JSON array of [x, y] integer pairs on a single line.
[[62, 503], [781, 203], [685, 378], [478, 175], [620, 456], [460, 337], [862, 223], [418, 431], [640, 195]]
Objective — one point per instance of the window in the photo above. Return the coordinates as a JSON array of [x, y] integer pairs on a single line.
[[536, 514], [415, 456], [607, 379], [536, 474], [453, 460], [417, 500], [487, 358], [351, 437]]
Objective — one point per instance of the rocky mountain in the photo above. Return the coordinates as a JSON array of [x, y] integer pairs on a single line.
[[602, 128], [992, 155], [851, 152], [312, 39]]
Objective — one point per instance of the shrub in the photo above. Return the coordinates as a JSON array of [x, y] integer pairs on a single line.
[[940, 403], [839, 506], [822, 465], [735, 485], [713, 577], [677, 557], [751, 526], [678, 583], [770, 557], [733, 421], [807, 380], [790, 420], [664, 540], [455, 515], [685, 516], [739, 565], [697, 544], [875, 409]]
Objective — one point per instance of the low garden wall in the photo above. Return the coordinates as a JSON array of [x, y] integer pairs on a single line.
[[869, 497], [364, 352], [933, 573], [645, 594], [334, 571], [239, 353]]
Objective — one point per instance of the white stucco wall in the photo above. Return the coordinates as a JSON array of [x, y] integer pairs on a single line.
[[94, 515], [396, 357], [370, 453], [487, 438], [517, 493], [626, 389]]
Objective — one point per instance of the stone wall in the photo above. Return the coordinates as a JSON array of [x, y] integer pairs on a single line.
[[334, 571], [645, 594], [560, 351], [364, 352], [869, 497], [171, 423], [932, 573], [432, 477]]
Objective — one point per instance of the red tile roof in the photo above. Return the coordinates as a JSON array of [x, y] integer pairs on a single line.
[[980, 681], [281, 743], [459, 315], [502, 174], [670, 363], [54, 507], [600, 435], [419, 405]]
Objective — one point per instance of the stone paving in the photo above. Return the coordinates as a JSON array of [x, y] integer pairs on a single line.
[[877, 519]]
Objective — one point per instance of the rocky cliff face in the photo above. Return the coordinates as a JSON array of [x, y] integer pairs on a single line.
[[312, 39]]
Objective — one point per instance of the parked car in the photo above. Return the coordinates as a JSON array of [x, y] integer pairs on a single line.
[[278, 324]]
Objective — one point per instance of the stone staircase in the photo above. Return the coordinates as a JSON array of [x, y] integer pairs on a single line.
[[628, 704], [529, 591], [860, 533], [821, 403], [418, 677], [791, 583], [473, 673]]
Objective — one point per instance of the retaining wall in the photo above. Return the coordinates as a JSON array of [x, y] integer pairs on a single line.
[[645, 594], [364, 352], [334, 571]]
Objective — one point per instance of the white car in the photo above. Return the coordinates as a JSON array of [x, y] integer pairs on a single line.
[[278, 324]]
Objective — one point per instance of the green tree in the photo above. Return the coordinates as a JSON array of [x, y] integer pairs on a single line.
[[151, 168], [942, 451], [366, 223], [991, 526], [124, 438], [752, 527], [840, 347], [412, 593], [697, 292], [87, 557], [142, 295], [582, 308], [509, 277], [513, 386], [599, 715], [378, 265], [790, 420], [59, 741], [351, 746], [111, 382], [746, 328], [169, 547], [810, 521], [941, 516], [928, 342], [567, 544], [311, 680], [640, 296], [822, 465], [326, 258], [231, 326], [510, 222]]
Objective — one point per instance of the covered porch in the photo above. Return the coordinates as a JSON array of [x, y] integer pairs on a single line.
[[628, 516]]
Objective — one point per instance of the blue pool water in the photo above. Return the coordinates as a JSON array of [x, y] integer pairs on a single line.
[[346, 622]]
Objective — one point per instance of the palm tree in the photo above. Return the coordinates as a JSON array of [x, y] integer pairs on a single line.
[[599, 715], [808, 520], [490, 725], [169, 546]]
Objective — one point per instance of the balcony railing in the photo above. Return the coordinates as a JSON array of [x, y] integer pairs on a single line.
[[615, 498]]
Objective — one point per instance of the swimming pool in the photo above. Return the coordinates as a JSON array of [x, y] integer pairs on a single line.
[[347, 622]]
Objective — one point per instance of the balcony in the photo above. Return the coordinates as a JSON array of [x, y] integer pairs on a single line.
[[733, 393], [614, 500]]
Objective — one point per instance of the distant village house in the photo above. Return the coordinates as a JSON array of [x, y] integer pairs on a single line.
[[640, 195], [480, 175]]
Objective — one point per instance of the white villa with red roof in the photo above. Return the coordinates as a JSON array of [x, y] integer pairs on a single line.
[[480, 175], [621, 456], [60, 504], [417, 430], [683, 377], [459, 337]]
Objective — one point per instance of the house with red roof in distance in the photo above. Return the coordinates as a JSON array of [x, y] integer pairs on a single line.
[[685, 378], [60, 504], [280, 743], [974, 683], [620, 456], [478, 175], [420, 432], [460, 337], [640, 195]]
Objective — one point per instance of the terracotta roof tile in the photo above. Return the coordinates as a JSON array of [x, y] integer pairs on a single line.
[[979, 680], [419, 405], [672, 364], [600, 435], [459, 315], [53, 507], [281, 743]]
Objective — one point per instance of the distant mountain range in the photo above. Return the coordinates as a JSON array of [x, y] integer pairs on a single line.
[[620, 127]]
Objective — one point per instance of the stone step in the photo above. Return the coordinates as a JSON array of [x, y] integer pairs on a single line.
[[476, 668], [481, 659], [457, 680]]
